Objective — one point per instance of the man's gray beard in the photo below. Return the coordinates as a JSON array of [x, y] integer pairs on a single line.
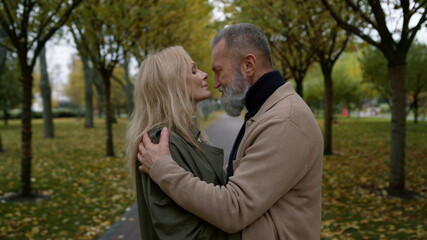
[[234, 96]]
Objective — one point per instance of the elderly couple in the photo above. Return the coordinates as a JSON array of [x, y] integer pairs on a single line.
[[271, 188]]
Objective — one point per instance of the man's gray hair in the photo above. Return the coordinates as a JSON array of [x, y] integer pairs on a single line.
[[243, 37]]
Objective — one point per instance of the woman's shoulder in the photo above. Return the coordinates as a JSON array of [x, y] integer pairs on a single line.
[[154, 134]]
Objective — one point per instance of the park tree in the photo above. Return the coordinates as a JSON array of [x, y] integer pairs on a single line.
[[289, 42], [119, 92], [294, 59], [349, 91], [29, 24], [10, 94], [75, 87], [46, 93], [155, 32], [90, 75], [393, 37], [91, 81], [4, 84], [327, 42], [107, 29], [126, 84], [417, 77], [10, 86], [375, 72]]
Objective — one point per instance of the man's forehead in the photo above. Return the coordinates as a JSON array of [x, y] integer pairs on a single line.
[[218, 54], [215, 63]]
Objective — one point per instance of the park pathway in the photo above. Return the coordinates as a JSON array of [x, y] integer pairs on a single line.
[[221, 133]]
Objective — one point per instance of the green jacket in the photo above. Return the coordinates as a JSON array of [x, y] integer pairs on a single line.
[[159, 216]]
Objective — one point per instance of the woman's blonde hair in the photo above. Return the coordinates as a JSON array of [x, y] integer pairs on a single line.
[[161, 97]]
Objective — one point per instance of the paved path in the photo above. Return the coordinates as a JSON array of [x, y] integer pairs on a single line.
[[221, 133]]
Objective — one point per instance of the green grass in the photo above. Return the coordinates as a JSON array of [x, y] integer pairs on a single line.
[[355, 204], [88, 191]]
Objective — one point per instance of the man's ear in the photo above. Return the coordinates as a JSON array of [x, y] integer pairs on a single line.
[[249, 65]]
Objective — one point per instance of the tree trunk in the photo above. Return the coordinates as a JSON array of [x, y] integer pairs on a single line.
[[328, 108], [26, 133], [398, 129], [99, 86], [89, 73], [1, 145], [46, 93], [6, 116], [416, 109], [108, 116], [128, 90], [3, 53]]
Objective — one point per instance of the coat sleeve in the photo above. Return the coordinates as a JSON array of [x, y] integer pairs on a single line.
[[169, 220], [269, 168]]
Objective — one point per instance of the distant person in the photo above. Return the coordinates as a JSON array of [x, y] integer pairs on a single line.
[[275, 167], [167, 91]]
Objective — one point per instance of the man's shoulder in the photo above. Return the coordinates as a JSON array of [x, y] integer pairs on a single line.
[[285, 103]]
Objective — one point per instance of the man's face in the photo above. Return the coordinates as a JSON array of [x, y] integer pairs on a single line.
[[229, 79]]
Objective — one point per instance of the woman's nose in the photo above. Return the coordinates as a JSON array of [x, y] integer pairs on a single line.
[[205, 75]]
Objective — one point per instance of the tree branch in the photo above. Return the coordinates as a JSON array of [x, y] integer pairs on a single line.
[[357, 9], [9, 27], [382, 29], [349, 27], [52, 31]]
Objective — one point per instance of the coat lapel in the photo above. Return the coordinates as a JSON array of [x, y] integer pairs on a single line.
[[281, 93]]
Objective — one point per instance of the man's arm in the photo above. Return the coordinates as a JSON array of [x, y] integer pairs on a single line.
[[266, 172]]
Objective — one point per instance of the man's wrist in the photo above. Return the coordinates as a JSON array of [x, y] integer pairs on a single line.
[[158, 162]]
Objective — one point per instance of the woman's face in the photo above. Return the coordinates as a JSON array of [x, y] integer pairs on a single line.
[[198, 86]]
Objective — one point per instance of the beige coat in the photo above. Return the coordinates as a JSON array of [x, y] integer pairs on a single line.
[[275, 192]]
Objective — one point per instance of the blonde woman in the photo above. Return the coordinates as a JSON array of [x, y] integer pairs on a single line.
[[167, 91]]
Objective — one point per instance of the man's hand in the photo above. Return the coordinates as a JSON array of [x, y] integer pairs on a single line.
[[149, 153]]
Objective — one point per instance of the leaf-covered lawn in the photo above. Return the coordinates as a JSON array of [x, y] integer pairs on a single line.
[[89, 191], [355, 204]]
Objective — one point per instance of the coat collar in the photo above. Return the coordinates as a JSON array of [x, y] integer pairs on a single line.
[[282, 92]]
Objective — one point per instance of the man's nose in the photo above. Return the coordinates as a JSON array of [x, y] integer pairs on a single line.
[[217, 84]]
